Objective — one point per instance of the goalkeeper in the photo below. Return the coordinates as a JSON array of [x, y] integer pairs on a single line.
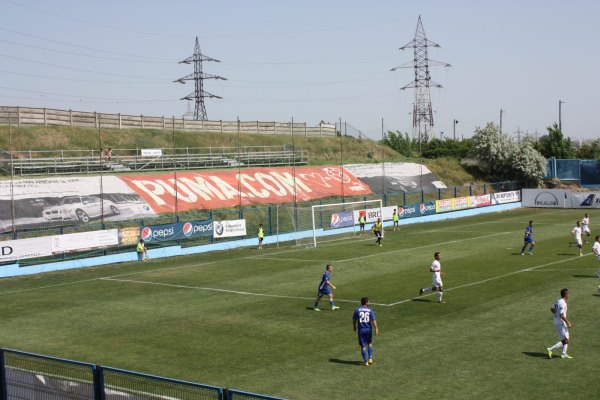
[[378, 231]]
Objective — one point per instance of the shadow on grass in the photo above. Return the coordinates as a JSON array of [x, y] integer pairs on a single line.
[[345, 362], [536, 354], [585, 276], [421, 300], [566, 254]]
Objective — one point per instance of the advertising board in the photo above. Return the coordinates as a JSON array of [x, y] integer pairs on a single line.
[[229, 228], [177, 230], [20, 249], [80, 241]]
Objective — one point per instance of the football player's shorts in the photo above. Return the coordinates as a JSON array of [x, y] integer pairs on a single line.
[[365, 337], [436, 282], [325, 290], [562, 331]]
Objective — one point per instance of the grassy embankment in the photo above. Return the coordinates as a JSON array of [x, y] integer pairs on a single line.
[[322, 150]]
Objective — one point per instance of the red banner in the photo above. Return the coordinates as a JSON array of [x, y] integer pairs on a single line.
[[222, 189]]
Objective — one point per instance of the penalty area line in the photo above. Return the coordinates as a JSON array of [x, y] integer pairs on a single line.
[[210, 289]]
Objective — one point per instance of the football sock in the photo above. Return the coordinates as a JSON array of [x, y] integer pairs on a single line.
[[332, 303], [531, 249], [523, 249], [316, 304], [440, 294], [370, 348], [363, 351], [426, 289], [557, 346], [565, 348]]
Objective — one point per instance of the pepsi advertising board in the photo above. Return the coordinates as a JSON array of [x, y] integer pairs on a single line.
[[342, 219], [176, 231], [416, 210]]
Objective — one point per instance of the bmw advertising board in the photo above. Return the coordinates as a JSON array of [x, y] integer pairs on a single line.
[[175, 231], [342, 219], [229, 228], [546, 198]]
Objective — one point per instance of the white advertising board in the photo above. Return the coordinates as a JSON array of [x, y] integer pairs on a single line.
[[20, 249], [152, 152], [506, 197], [73, 242], [546, 198], [585, 200], [373, 213], [229, 228]]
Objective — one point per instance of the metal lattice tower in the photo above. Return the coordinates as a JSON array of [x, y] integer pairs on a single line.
[[198, 77], [422, 109]]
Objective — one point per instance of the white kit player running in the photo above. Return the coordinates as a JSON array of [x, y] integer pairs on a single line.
[[577, 233], [596, 251], [585, 227], [436, 278], [562, 324]]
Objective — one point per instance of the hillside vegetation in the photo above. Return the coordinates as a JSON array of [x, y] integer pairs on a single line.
[[322, 150]]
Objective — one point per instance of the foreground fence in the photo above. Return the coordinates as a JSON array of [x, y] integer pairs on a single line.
[[47, 116], [32, 376]]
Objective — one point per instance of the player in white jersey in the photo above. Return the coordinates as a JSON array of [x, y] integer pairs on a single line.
[[562, 324], [436, 278], [585, 227], [577, 233], [596, 251]]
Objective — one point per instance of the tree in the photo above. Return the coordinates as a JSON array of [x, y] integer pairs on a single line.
[[501, 158], [399, 142], [554, 144], [589, 151]]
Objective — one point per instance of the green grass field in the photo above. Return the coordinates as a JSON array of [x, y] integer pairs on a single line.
[[242, 319]]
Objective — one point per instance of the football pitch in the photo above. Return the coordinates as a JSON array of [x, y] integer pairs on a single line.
[[243, 319]]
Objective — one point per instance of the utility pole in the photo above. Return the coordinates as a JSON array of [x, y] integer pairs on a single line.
[[198, 76], [560, 103], [454, 122], [501, 112], [422, 109]]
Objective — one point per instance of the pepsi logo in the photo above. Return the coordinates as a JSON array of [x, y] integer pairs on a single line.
[[335, 219], [188, 229], [422, 208], [147, 234], [401, 211]]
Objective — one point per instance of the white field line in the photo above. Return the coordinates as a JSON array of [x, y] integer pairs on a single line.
[[192, 265], [290, 259], [379, 254], [226, 290], [531, 269]]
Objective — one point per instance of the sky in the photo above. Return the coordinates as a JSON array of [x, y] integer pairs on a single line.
[[310, 60]]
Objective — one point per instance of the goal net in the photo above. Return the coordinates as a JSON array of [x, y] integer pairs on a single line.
[[339, 220]]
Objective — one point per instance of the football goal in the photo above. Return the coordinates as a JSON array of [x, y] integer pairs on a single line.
[[342, 219]]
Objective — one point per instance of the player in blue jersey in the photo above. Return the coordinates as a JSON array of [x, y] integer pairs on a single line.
[[528, 239], [364, 320], [325, 288]]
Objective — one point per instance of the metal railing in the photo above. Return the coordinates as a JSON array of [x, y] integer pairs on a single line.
[[33, 376], [64, 162]]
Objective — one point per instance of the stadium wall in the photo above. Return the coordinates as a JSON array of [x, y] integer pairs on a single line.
[[12, 270]]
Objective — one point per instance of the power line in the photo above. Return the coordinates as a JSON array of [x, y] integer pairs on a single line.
[[88, 97], [83, 55], [78, 69], [82, 21], [56, 78], [83, 47]]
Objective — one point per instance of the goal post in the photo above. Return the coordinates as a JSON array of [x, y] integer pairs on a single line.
[[343, 218]]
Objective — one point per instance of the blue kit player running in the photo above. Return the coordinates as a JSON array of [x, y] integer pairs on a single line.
[[325, 288], [528, 239], [364, 317]]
